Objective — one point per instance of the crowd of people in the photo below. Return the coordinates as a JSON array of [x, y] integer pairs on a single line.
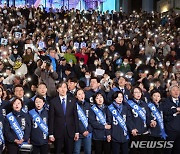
[[91, 78]]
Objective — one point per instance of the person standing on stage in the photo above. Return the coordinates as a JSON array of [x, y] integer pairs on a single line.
[[63, 120]]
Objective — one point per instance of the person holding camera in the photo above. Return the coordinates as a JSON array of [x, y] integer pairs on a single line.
[[47, 75]]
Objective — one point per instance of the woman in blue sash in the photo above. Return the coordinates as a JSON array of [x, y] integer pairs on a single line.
[[39, 135], [85, 129], [99, 120], [142, 120], [121, 124], [157, 133], [17, 127]]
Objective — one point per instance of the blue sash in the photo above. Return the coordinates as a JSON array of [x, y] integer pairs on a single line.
[[159, 119], [83, 118], [99, 114], [1, 136], [120, 120], [138, 109], [115, 89], [15, 126], [39, 121]]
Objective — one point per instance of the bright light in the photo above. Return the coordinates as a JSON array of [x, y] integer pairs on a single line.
[[146, 72], [165, 8]]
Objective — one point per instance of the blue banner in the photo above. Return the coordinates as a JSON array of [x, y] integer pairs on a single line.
[[159, 119], [41, 124], [120, 120], [99, 114]]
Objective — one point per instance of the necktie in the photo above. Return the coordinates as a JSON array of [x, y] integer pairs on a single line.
[[64, 105], [122, 91], [177, 102]]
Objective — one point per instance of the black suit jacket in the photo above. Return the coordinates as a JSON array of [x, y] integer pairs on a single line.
[[58, 122], [171, 120]]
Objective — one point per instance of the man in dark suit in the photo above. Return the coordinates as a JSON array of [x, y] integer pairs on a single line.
[[171, 113], [63, 120], [19, 92]]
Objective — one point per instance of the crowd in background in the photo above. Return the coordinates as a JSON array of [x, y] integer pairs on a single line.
[[89, 50]]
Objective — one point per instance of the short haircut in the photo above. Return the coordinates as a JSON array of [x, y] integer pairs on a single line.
[[155, 91], [18, 86], [172, 86], [14, 100], [95, 95], [73, 79], [115, 95], [60, 84], [123, 78], [40, 97], [96, 78], [41, 83]]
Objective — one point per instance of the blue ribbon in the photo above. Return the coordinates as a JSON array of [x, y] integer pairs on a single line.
[[39, 121], [99, 114], [138, 109], [120, 120], [159, 119], [15, 126], [25, 109]]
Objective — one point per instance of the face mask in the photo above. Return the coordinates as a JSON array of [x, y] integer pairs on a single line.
[[15, 51], [81, 63], [125, 63], [167, 63], [87, 76]]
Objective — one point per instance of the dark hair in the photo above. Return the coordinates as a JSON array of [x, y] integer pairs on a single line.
[[96, 78], [77, 91], [95, 95], [123, 78], [40, 97], [13, 101], [115, 95], [18, 86], [41, 83], [132, 91], [51, 48], [73, 79], [82, 84], [60, 84], [155, 91]]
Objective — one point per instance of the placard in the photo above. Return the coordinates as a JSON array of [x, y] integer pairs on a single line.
[[109, 42]]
